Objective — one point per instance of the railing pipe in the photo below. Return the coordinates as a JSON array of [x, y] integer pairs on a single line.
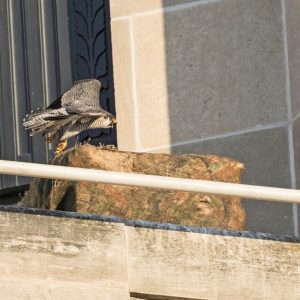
[[151, 181]]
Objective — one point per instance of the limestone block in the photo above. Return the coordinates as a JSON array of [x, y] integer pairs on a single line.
[[59, 258], [205, 266]]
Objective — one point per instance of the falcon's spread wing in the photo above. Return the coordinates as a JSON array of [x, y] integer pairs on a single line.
[[82, 97]]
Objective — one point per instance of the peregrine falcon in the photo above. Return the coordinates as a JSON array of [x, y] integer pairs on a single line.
[[80, 110]]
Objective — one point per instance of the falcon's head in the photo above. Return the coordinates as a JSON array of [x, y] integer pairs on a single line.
[[109, 121]]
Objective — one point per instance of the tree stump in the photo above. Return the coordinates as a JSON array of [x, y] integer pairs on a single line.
[[137, 203]]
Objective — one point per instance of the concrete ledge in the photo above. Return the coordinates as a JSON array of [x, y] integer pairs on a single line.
[[54, 255], [152, 225]]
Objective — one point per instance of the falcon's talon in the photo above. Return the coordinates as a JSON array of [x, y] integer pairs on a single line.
[[61, 147]]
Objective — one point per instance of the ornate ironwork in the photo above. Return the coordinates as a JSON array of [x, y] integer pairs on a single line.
[[92, 57]]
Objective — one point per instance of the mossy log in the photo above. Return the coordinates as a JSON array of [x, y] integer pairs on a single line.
[[135, 203]]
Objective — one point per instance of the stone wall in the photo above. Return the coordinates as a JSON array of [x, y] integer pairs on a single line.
[[218, 77], [54, 255]]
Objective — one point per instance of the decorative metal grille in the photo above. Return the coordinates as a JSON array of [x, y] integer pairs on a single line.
[[92, 58], [36, 66]]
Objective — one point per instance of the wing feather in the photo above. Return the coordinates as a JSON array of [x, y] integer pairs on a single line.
[[83, 96]]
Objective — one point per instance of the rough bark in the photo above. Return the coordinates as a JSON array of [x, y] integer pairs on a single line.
[[135, 203]]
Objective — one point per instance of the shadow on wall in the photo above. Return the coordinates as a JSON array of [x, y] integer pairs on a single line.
[[226, 93]]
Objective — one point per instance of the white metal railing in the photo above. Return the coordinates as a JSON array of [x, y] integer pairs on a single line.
[[152, 181]]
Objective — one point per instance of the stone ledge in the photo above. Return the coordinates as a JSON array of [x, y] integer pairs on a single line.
[[151, 225], [114, 258]]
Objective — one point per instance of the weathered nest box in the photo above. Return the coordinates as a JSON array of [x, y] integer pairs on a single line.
[[137, 203]]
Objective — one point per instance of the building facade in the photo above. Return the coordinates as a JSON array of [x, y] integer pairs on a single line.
[[214, 77], [189, 76]]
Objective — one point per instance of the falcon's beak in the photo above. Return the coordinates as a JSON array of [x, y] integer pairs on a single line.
[[113, 121]]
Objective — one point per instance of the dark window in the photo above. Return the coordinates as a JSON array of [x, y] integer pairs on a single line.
[[45, 45], [92, 56]]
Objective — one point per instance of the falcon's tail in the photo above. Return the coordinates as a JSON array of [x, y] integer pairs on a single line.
[[45, 120]]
